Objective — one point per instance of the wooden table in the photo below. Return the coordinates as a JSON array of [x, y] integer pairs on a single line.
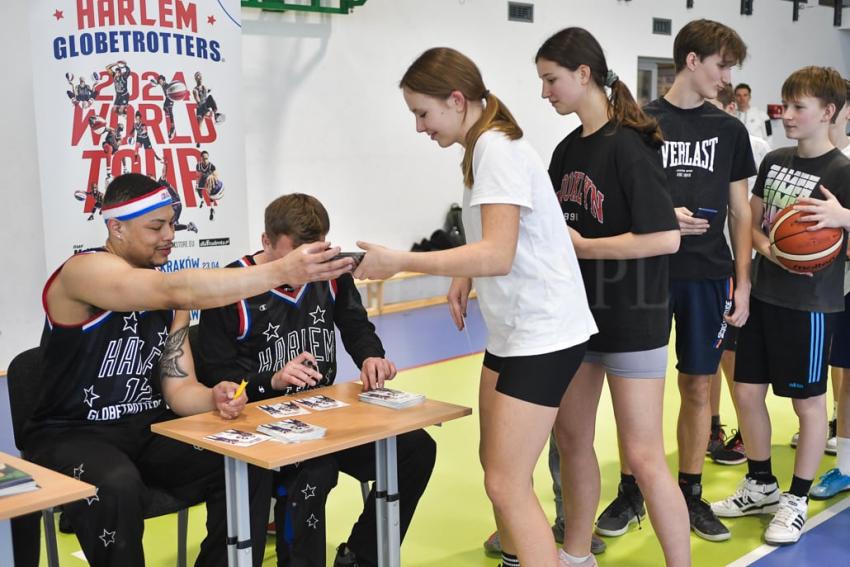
[[357, 424], [54, 489]]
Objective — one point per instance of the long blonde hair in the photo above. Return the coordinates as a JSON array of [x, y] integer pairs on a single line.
[[442, 70]]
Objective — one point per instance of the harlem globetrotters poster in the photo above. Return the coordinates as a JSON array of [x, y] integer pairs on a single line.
[[144, 86]]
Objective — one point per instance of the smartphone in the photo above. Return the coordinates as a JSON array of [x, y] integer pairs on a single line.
[[357, 256], [707, 214]]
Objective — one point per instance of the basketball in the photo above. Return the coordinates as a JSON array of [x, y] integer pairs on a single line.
[[177, 90], [98, 124], [80, 195], [802, 250], [217, 190]]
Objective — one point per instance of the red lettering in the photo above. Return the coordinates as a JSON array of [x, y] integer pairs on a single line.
[[85, 14], [200, 138], [125, 13], [106, 15], [165, 13], [187, 16], [188, 175], [145, 20]]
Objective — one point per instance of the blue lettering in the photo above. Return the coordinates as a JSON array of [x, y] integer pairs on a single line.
[[100, 42], [153, 42], [86, 44], [215, 54], [138, 42], [60, 49]]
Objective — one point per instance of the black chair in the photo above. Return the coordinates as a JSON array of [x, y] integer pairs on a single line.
[[23, 379]]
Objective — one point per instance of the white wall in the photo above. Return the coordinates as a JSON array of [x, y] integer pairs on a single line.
[[324, 115]]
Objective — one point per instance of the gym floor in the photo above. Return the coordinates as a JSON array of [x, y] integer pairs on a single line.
[[454, 516]]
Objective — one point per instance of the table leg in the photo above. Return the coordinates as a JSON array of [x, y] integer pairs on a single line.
[[238, 513], [386, 501], [7, 555], [381, 499], [392, 518]]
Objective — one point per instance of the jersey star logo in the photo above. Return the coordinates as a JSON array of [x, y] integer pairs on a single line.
[[313, 521], [309, 491], [271, 332], [130, 322], [107, 537], [163, 336], [92, 499], [90, 396], [78, 471], [318, 315]]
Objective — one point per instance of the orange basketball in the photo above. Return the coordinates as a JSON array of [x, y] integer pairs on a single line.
[[803, 250]]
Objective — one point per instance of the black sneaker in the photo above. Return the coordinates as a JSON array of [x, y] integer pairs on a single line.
[[597, 545], [732, 453], [626, 509], [345, 557], [704, 522], [715, 440]]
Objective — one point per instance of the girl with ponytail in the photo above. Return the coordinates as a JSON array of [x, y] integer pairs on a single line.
[[528, 283], [608, 178]]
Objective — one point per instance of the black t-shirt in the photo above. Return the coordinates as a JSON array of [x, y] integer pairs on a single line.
[[610, 183], [784, 178], [256, 337], [104, 370], [705, 149]]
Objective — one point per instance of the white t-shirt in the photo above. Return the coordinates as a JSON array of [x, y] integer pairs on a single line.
[[540, 306], [754, 119]]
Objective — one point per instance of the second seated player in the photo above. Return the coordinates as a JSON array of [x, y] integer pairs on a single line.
[[283, 341]]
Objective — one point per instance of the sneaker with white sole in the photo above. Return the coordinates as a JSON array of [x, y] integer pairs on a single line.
[[732, 453], [704, 521], [832, 440], [751, 498], [787, 524], [563, 561], [626, 509], [830, 484]]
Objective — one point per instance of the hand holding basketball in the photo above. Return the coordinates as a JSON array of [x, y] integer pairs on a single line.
[[798, 248], [823, 213]]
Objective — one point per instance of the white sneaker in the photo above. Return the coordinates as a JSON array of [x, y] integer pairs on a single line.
[[564, 562], [750, 499], [832, 446], [787, 525]]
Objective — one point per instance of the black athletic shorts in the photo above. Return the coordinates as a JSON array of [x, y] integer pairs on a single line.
[[539, 379], [786, 348]]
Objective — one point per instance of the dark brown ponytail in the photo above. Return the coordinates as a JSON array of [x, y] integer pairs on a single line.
[[572, 47]]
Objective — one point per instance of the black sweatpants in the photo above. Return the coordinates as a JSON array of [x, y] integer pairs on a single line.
[[121, 460], [302, 491], [416, 453]]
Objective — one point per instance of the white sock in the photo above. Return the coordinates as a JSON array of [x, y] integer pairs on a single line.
[[843, 459], [572, 558]]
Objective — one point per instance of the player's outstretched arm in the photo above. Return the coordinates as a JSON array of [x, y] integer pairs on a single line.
[[493, 255], [109, 282]]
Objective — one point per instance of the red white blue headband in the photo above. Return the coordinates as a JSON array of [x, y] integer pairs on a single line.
[[159, 197]]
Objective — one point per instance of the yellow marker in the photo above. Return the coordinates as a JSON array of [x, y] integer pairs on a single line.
[[240, 389]]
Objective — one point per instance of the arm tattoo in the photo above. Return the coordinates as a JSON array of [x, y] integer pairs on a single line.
[[169, 364]]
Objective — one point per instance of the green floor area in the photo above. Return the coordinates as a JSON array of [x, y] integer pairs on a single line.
[[454, 516]]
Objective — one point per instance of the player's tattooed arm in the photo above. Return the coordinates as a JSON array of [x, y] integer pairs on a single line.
[[170, 362]]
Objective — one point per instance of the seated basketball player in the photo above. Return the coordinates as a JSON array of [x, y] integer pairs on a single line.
[[116, 359], [282, 341], [786, 341]]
